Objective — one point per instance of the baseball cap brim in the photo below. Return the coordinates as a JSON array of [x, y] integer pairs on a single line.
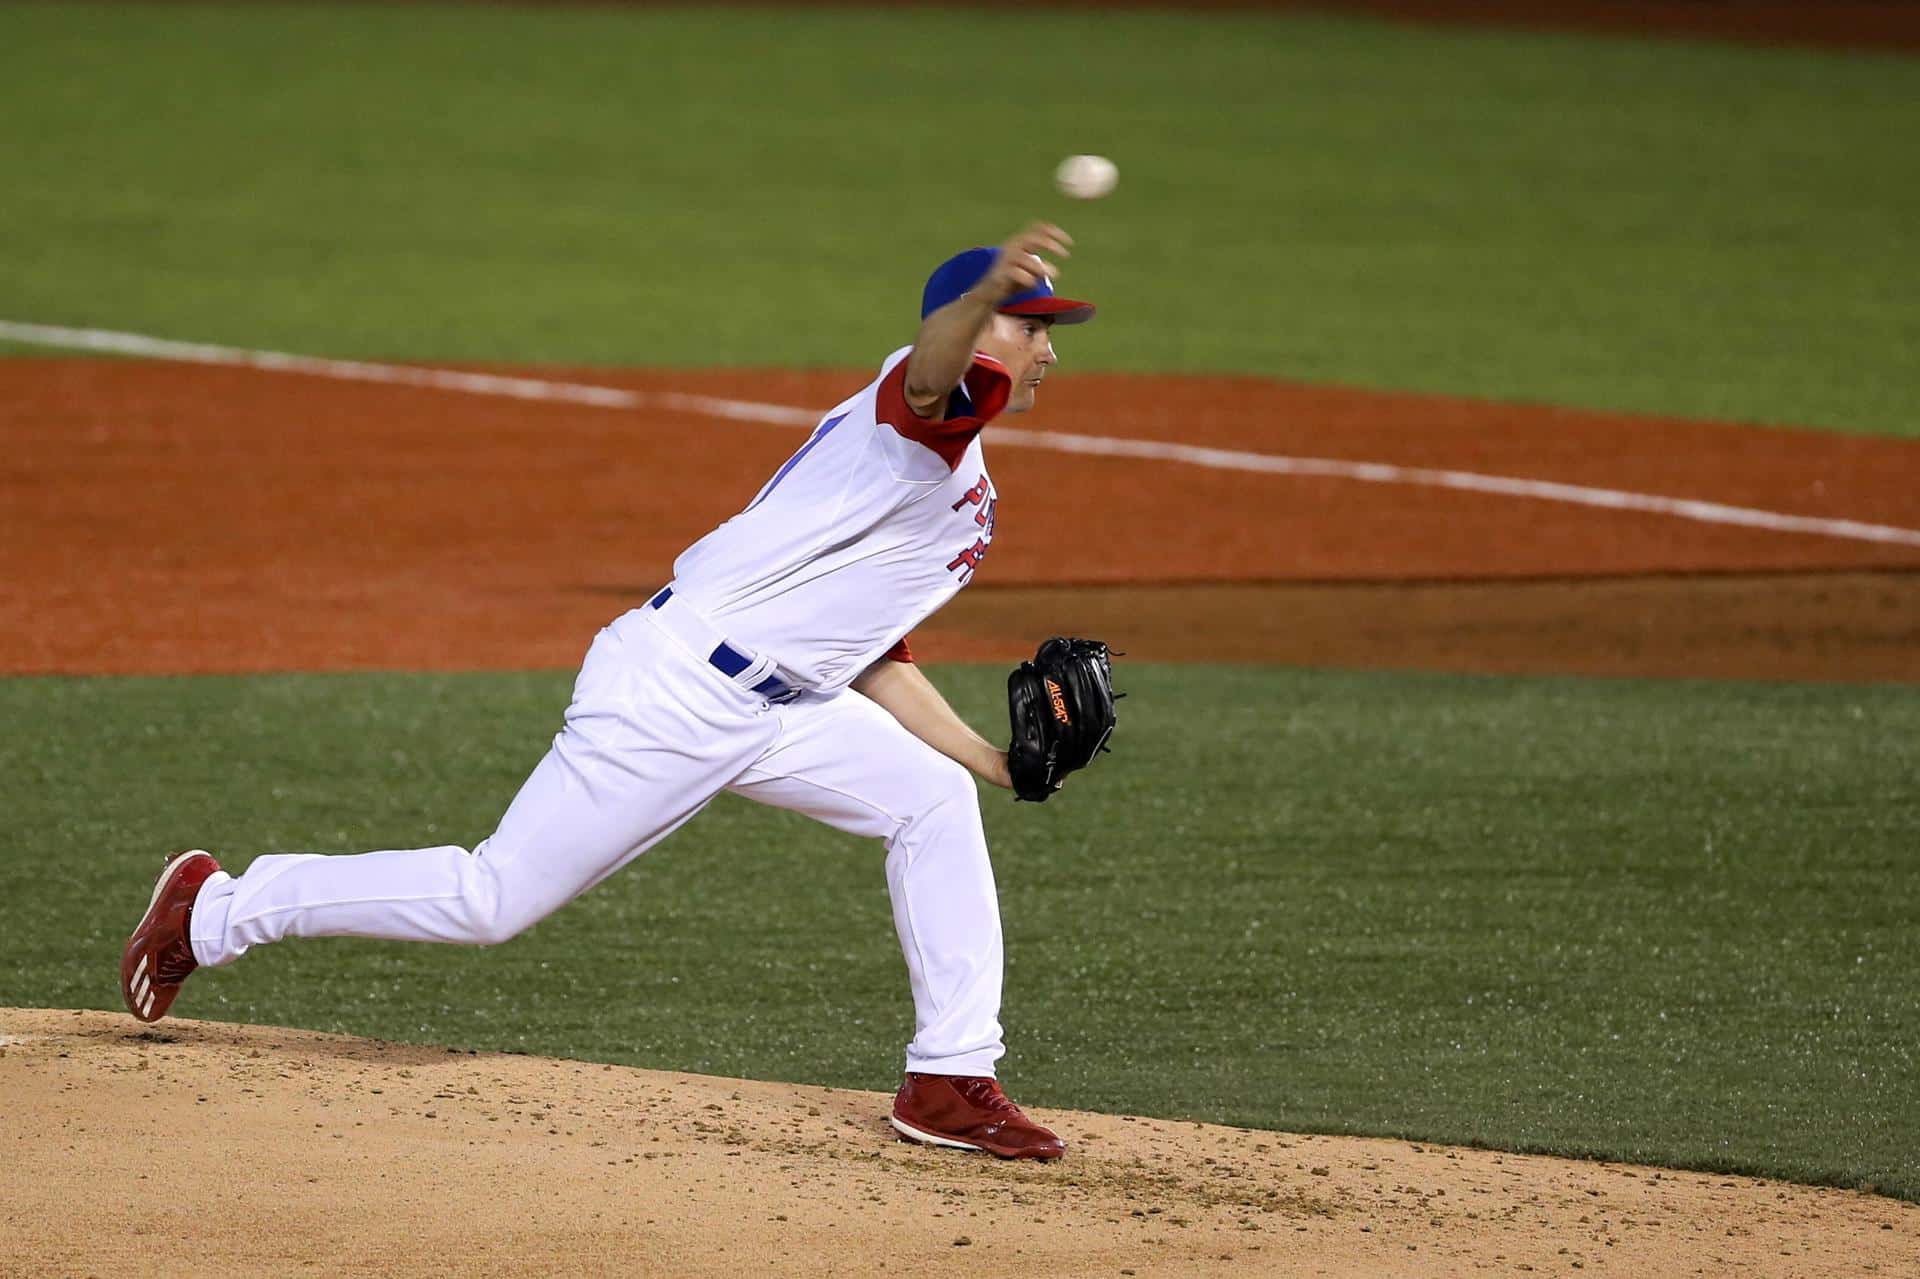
[[1063, 310]]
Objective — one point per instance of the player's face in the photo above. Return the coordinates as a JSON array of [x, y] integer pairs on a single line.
[[1024, 343]]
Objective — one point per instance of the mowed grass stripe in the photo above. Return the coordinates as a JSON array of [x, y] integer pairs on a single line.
[[1653, 921], [1688, 228]]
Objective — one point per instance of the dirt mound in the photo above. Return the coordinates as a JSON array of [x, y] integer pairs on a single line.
[[197, 1147]]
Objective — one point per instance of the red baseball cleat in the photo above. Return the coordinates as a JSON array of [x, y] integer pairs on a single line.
[[158, 957], [969, 1112]]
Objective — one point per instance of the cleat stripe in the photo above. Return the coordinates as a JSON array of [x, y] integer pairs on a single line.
[[141, 971]]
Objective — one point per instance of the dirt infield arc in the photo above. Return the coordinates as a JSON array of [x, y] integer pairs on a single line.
[[170, 518], [1880, 25], [1890, 26], [346, 1156]]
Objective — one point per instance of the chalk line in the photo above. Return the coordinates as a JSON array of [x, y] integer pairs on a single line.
[[542, 389]]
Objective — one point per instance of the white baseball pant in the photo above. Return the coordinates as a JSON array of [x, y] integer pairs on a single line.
[[652, 734]]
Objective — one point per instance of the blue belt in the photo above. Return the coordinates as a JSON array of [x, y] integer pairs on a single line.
[[730, 661]]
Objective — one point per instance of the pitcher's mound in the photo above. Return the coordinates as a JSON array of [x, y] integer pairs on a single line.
[[202, 1148]]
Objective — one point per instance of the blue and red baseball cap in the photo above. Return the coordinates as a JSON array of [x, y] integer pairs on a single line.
[[962, 271]]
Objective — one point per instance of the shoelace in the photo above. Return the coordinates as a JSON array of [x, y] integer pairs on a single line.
[[986, 1094]]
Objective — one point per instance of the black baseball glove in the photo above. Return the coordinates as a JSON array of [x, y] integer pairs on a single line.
[[1061, 704]]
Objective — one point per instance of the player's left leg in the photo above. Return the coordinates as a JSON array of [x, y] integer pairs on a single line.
[[846, 762]]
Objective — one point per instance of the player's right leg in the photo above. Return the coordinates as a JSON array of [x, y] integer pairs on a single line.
[[651, 735]]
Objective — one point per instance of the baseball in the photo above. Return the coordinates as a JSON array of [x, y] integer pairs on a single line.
[[1086, 177]]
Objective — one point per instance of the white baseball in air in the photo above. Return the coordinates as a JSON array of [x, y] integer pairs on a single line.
[[1086, 177]]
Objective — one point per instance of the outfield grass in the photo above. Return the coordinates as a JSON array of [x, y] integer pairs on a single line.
[[1654, 921], [1679, 227]]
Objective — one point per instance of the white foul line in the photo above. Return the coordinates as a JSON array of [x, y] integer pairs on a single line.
[[1097, 445], [1472, 481]]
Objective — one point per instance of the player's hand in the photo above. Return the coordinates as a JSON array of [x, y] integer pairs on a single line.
[[1020, 266]]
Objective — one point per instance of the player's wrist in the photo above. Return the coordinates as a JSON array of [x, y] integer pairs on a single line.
[[993, 290], [972, 310]]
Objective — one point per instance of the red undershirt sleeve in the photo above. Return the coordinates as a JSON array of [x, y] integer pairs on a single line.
[[987, 386], [899, 652]]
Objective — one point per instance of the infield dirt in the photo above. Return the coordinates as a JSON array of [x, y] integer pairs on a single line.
[[179, 519], [200, 1148]]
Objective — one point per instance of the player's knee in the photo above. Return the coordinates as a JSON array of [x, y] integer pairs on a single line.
[[490, 915], [493, 928], [948, 797]]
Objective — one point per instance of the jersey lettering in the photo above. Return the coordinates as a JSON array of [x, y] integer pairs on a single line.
[[969, 560], [975, 495], [982, 496]]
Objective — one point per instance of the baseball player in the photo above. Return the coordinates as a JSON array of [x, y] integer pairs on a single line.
[[774, 665]]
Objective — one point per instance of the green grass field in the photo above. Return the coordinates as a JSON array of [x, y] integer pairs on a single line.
[[1672, 227], [1650, 921]]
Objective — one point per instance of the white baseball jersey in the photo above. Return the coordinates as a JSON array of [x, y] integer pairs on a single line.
[[878, 520]]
